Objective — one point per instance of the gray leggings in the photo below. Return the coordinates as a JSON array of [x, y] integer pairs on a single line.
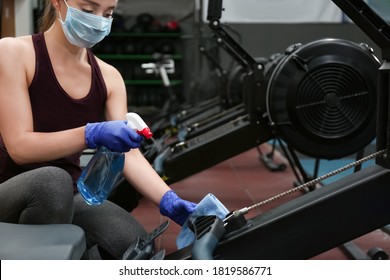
[[45, 196]]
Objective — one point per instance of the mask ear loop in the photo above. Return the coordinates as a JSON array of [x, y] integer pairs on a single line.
[[59, 13], [60, 17]]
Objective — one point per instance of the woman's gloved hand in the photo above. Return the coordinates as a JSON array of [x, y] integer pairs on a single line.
[[116, 136], [176, 208]]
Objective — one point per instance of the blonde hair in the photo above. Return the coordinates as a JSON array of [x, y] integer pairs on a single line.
[[48, 17]]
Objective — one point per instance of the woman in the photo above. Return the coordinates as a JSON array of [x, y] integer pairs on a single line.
[[57, 99]]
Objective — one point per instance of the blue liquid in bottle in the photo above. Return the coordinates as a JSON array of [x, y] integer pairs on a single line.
[[101, 175]]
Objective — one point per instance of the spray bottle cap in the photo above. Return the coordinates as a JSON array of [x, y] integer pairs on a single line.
[[134, 121]]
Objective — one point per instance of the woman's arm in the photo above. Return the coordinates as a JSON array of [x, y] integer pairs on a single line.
[[17, 62], [137, 170]]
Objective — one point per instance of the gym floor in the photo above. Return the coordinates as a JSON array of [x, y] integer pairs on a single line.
[[239, 182]]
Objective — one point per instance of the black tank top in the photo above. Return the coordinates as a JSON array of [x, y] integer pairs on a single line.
[[54, 110]]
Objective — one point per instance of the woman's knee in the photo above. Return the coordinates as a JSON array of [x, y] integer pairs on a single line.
[[52, 188], [54, 180]]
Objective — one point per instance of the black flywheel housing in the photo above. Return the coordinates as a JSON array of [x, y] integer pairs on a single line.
[[321, 97]]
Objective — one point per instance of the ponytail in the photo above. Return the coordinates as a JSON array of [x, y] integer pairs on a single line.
[[48, 17]]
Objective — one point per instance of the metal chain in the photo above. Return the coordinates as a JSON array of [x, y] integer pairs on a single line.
[[315, 181]]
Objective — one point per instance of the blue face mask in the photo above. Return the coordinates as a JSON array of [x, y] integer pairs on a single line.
[[83, 29]]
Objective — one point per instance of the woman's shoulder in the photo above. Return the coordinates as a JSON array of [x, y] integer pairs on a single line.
[[16, 45], [112, 77], [107, 69], [17, 42]]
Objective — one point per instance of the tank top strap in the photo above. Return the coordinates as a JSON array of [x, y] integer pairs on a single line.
[[42, 59]]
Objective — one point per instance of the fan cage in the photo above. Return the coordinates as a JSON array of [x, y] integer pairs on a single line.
[[331, 101]]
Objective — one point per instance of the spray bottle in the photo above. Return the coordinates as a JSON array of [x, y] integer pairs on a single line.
[[104, 171]]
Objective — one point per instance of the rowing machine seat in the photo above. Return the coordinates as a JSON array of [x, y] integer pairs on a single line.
[[41, 242]]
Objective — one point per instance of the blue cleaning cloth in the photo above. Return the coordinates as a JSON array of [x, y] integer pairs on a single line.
[[208, 206]]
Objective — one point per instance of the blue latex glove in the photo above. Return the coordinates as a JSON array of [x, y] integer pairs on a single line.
[[114, 135], [176, 208]]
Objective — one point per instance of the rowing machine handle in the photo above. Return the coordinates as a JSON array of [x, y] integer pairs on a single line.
[[206, 242]]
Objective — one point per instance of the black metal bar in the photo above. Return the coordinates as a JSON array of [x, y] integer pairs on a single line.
[[200, 127], [379, 31], [216, 64], [313, 223], [253, 82], [370, 22], [383, 117], [232, 47], [224, 39], [211, 148], [214, 10], [359, 155], [293, 164]]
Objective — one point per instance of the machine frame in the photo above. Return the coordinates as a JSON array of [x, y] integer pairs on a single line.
[[330, 216]]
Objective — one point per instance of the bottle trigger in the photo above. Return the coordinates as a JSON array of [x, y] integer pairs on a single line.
[[135, 122]]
